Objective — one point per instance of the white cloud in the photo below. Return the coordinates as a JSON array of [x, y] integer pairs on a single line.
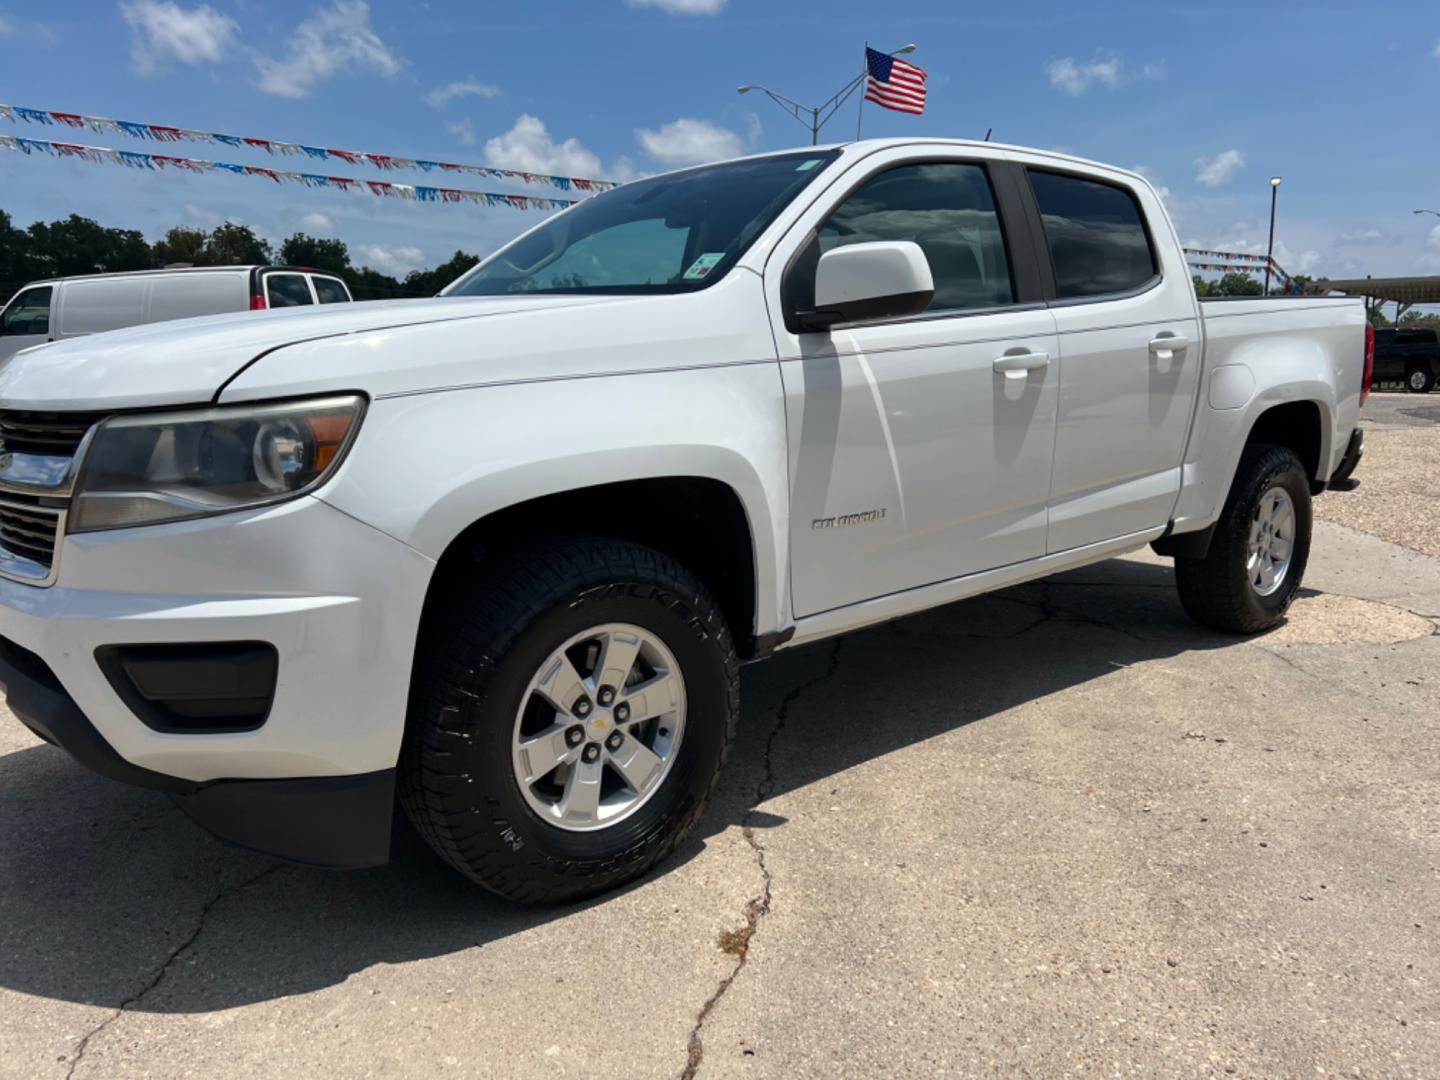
[[689, 142], [397, 261], [1074, 79], [1437, 48], [682, 7], [1220, 169], [463, 130], [162, 30], [443, 95], [7, 25], [1361, 238], [333, 40], [1429, 262], [317, 223], [528, 147], [1154, 72]]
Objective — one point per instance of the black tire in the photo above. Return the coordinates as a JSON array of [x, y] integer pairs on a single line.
[[1216, 590], [1420, 379], [478, 653]]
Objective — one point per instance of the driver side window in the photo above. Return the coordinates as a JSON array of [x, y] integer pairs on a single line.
[[949, 210], [29, 312]]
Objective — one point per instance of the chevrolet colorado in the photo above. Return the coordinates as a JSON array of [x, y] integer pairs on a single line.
[[494, 557]]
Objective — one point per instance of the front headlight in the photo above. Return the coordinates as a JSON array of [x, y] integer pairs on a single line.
[[153, 467]]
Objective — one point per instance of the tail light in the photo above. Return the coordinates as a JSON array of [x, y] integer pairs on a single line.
[[257, 302], [1369, 363]]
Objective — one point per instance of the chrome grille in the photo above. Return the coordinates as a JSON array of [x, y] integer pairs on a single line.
[[45, 433], [29, 531], [37, 457]]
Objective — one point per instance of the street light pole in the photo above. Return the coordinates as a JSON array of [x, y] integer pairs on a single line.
[[1435, 212], [816, 117], [1270, 253]]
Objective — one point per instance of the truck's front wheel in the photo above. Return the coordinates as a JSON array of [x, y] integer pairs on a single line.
[[1259, 550], [573, 708], [1420, 379]]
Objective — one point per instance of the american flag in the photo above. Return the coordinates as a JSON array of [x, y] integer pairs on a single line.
[[894, 83]]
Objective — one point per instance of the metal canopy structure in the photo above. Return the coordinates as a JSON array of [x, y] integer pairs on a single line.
[[1403, 292]]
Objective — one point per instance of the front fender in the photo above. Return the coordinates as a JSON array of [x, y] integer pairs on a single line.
[[427, 466]]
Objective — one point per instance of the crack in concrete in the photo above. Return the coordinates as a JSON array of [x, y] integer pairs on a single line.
[[169, 961], [736, 943]]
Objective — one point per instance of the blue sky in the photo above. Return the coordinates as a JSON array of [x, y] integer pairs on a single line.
[[1210, 99]]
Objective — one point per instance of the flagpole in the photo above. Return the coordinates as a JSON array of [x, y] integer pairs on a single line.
[[864, 71]]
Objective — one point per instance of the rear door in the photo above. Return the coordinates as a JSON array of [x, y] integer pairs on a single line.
[[26, 319], [1129, 353], [915, 457]]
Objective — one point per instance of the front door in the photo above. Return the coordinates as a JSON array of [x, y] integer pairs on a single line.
[[26, 320], [920, 448]]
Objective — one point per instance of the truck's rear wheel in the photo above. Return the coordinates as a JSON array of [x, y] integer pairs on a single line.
[[572, 709], [1257, 556], [1420, 379]]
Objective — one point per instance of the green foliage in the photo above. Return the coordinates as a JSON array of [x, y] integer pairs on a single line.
[[302, 250], [181, 246], [1237, 284], [235, 245]]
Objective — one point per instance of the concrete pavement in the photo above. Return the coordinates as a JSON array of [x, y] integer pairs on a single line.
[[1056, 829]]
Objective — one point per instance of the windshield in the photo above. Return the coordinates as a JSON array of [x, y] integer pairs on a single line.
[[672, 234]]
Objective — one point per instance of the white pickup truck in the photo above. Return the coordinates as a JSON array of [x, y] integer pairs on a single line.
[[495, 557]]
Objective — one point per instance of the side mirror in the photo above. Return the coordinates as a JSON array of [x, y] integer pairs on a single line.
[[884, 279]]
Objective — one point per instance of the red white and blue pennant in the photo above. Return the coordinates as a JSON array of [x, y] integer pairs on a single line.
[[135, 160], [279, 148]]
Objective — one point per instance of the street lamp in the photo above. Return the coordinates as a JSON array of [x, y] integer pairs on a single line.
[[1270, 254], [1435, 212], [816, 117]]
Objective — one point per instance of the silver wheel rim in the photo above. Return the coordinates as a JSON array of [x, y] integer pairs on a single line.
[[1417, 380], [1272, 542], [599, 727]]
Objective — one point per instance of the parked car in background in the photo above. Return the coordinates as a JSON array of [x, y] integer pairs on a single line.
[[76, 306], [1407, 355], [498, 554]]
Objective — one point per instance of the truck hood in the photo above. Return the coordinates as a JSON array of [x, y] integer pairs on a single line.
[[187, 361]]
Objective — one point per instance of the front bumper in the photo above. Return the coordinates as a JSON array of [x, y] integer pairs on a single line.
[[339, 601]]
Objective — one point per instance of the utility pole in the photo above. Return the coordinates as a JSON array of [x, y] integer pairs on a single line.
[[816, 117], [1270, 253]]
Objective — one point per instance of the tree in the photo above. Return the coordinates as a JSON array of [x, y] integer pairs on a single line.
[[235, 245], [430, 282], [1202, 287], [79, 245], [182, 245], [321, 254], [16, 265], [1237, 284]]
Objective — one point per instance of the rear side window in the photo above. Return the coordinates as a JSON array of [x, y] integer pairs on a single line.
[[288, 290], [947, 209], [330, 291], [1096, 235], [28, 312]]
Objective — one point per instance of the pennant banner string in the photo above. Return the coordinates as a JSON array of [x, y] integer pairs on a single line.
[[276, 147], [134, 160]]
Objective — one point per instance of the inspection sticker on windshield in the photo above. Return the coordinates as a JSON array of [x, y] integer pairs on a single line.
[[806, 166], [702, 266]]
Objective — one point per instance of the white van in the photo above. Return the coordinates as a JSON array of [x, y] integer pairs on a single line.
[[75, 306]]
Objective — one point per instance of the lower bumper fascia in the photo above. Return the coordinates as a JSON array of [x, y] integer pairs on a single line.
[[337, 822]]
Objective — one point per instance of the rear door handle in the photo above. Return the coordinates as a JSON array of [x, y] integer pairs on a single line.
[[1166, 346], [1019, 365]]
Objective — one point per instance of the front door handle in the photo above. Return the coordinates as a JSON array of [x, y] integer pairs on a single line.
[[1166, 346], [1019, 365]]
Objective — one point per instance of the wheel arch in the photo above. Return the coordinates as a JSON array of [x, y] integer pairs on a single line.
[[701, 521]]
